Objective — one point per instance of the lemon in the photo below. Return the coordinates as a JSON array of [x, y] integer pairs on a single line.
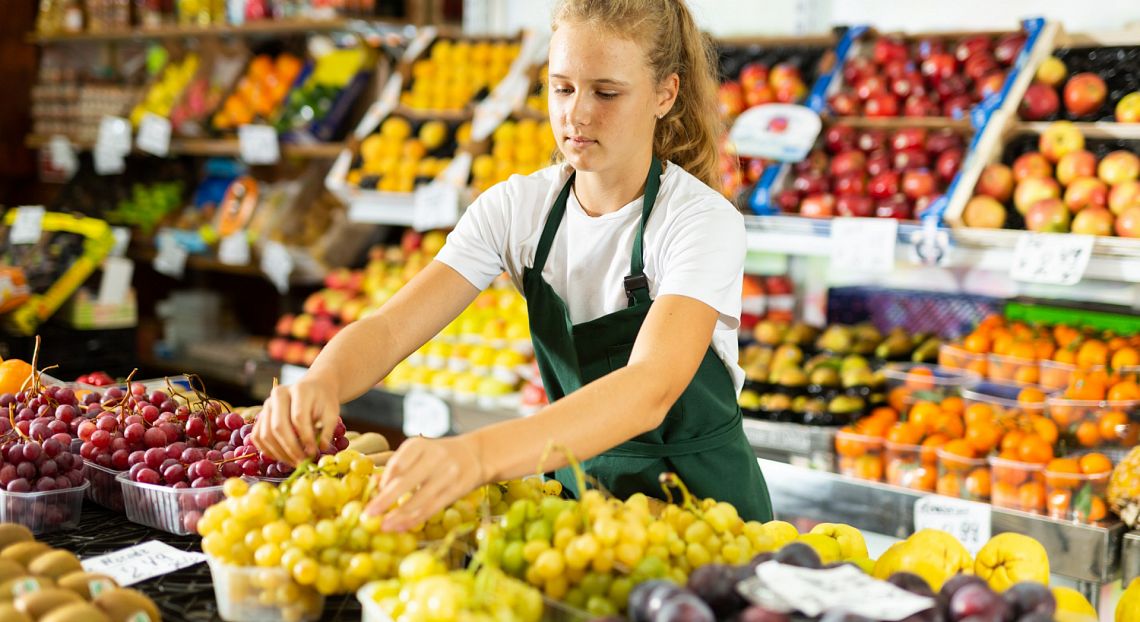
[[396, 127], [433, 134]]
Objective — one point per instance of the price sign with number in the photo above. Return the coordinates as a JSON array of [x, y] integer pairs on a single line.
[[968, 521], [426, 415], [863, 245], [1052, 258], [114, 135], [154, 135], [28, 225], [141, 562], [258, 144], [108, 162]]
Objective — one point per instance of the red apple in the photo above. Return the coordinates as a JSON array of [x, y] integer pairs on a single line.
[[1086, 192], [919, 183], [943, 139], [947, 164], [990, 84], [1123, 196], [897, 69], [884, 185], [1128, 108], [730, 98], [839, 138], [908, 84], [1031, 164], [788, 201], [321, 329], [926, 47], [1128, 223], [980, 65], [818, 206], [1084, 93], [1119, 167], [759, 95], [895, 206], [816, 160], [294, 353], [1030, 191], [1093, 221], [1048, 216], [284, 325], [753, 76], [881, 105], [848, 162], [878, 162], [1040, 102], [871, 140], [791, 92], [276, 348], [1008, 46], [1051, 72], [1075, 164], [844, 104], [809, 183], [784, 73], [887, 49], [939, 67], [856, 69], [855, 205], [907, 138], [957, 107], [852, 183], [869, 86], [971, 45], [754, 169], [996, 181], [910, 159], [1059, 138], [920, 106], [950, 86], [984, 212]]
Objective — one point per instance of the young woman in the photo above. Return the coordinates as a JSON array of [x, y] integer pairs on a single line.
[[631, 266]]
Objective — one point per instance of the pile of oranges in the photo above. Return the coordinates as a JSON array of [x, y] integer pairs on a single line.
[[1097, 407], [1075, 487], [260, 92]]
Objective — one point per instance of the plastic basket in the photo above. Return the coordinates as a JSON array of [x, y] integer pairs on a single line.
[[253, 594], [43, 512], [860, 456], [105, 488], [1088, 424], [1017, 485], [911, 466], [1076, 497], [173, 510], [964, 478]]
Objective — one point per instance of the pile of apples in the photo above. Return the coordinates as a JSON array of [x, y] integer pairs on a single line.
[[1085, 95], [873, 172], [759, 83], [927, 77], [1062, 187]]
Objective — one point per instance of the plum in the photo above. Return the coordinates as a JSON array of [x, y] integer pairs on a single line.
[[1028, 597], [799, 554], [647, 597], [716, 585], [952, 586], [911, 583], [978, 602], [684, 607], [756, 613]]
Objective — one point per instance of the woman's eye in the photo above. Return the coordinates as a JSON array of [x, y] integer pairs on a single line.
[[606, 95], [562, 90]]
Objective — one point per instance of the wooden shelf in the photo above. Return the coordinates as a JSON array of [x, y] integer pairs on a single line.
[[251, 29], [220, 147]]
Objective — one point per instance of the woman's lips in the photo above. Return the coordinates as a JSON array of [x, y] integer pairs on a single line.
[[579, 141]]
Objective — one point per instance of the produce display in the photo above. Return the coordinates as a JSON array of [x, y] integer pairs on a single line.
[[317, 107], [517, 147], [457, 72], [205, 92], [166, 91], [402, 154], [1085, 84], [260, 93]]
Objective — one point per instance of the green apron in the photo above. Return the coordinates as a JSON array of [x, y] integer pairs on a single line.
[[701, 438]]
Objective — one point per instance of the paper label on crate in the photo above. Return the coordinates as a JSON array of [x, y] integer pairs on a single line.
[[258, 144], [846, 588], [171, 257], [63, 156], [277, 264], [28, 225], [140, 562], [1051, 258], [784, 132], [425, 415], [436, 206], [154, 135], [863, 245], [968, 521], [108, 162], [114, 136], [233, 250], [116, 281]]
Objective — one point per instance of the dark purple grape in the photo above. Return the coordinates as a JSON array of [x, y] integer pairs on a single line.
[[45, 484], [158, 397], [646, 599], [104, 460], [798, 554], [118, 443], [120, 460], [66, 461], [101, 439], [49, 468], [19, 484], [107, 423], [953, 584], [136, 457], [173, 434], [174, 473], [716, 585], [150, 413], [911, 583], [214, 455], [7, 472], [192, 455], [1027, 597], [757, 613], [843, 616], [133, 472], [33, 450], [58, 427], [978, 601], [26, 470], [684, 607], [134, 432], [230, 469], [201, 482], [174, 450]]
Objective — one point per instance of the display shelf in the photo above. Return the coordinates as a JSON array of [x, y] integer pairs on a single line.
[[1130, 557], [203, 263], [793, 443], [260, 28], [215, 147]]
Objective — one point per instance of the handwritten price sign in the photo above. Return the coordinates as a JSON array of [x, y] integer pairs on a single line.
[[967, 521], [141, 562], [1051, 258]]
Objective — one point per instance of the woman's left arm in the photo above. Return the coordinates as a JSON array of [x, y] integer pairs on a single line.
[[604, 413]]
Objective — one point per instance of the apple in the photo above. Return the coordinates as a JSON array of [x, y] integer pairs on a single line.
[[939, 67], [411, 240], [957, 107], [321, 329], [1040, 102], [788, 201], [1048, 216], [1128, 222], [820, 205], [881, 105], [1086, 192], [970, 46], [1059, 138], [920, 106], [947, 164], [730, 99], [856, 69], [951, 86], [276, 348], [294, 353], [851, 183], [1075, 164], [1031, 164], [979, 65], [909, 159], [839, 138], [887, 49], [809, 183], [1034, 189], [784, 73], [895, 206], [816, 160], [907, 138], [315, 302], [310, 355], [352, 310], [302, 324], [1051, 72], [760, 95], [908, 84], [284, 325], [870, 85], [1084, 93], [791, 92], [897, 69], [943, 139], [871, 140], [844, 104], [996, 181], [1093, 221], [878, 162], [984, 212], [1118, 167], [1128, 108], [753, 76], [921, 204], [848, 162], [918, 183], [927, 46], [990, 84], [855, 205], [884, 185], [1008, 46], [1123, 196]]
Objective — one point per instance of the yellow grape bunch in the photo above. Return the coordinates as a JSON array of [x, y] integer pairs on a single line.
[[486, 502]]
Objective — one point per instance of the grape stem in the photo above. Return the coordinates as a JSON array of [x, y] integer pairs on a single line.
[[669, 479], [12, 420]]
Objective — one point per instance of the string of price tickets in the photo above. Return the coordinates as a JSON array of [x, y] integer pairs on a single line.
[[785, 588]]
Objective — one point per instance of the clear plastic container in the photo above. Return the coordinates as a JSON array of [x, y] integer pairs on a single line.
[[860, 456], [173, 510], [1002, 399], [964, 478], [43, 512], [1087, 424], [553, 611], [1013, 369], [955, 357], [105, 488], [910, 382], [1054, 375], [1077, 497], [1017, 485], [253, 594], [907, 466]]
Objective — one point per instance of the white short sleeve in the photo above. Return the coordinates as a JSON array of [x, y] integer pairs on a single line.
[[477, 247], [702, 257]]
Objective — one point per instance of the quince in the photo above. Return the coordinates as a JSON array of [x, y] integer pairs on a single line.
[[1072, 606], [850, 540], [888, 562], [1128, 609], [1009, 558], [828, 548], [935, 556], [781, 531], [866, 564]]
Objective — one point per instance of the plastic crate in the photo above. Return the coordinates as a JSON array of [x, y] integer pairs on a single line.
[[1017, 485], [254, 594], [964, 478], [174, 510], [860, 456]]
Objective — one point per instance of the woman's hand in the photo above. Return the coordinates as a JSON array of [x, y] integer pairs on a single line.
[[297, 421], [437, 473]]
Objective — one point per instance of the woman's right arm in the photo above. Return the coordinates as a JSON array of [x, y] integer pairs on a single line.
[[298, 418]]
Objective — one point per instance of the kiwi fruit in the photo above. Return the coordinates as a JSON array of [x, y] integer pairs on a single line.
[[38, 604], [122, 604], [10, 570], [11, 533], [76, 612], [24, 552], [82, 583], [55, 564], [9, 613], [14, 588]]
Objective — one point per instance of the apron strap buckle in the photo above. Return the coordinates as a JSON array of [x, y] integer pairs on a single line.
[[633, 283]]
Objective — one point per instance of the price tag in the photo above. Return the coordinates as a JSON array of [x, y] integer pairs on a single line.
[[436, 206], [108, 162], [62, 155], [1052, 258], [154, 135], [863, 245], [116, 282], [277, 264], [233, 250], [425, 415], [28, 225], [258, 144], [171, 257], [291, 374], [140, 562], [114, 135], [967, 521], [783, 132], [814, 591]]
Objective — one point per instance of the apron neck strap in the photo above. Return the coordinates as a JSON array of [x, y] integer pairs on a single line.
[[552, 221]]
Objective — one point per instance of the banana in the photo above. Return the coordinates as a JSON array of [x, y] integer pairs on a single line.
[[381, 458], [369, 443]]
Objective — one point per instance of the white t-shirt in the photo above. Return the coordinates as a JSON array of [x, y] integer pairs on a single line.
[[694, 246]]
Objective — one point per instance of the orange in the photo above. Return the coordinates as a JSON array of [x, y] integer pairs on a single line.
[[953, 404], [872, 426], [923, 414], [1024, 350], [1002, 343], [1064, 335], [920, 378], [1087, 386], [978, 483], [1112, 425], [1092, 353], [1124, 391], [977, 343], [976, 412], [1045, 428], [886, 413], [1067, 355], [14, 373], [983, 436], [1011, 441], [949, 484], [930, 447], [1034, 449], [959, 447], [1059, 472], [991, 322], [1004, 494], [1088, 434], [897, 398], [869, 467], [1129, 435], [978, 366], [1031, 497], [1026, 374], [849, 447], [1021, 330], [1031, 395], [948, 424], [1097, 510], [905, 433], [925, 478], [1059, 502], [1044, 348], [1125, 357], [1094, 464]]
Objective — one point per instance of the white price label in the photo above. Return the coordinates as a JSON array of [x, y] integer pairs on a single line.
[[171, 257], [114, 135], [108, 162], [154, 135], [122, 237], [233, 250], [863, 245], [28, 225], [291, 374], [784, 132], [425, 415], [62, 154], [436, 206], [815, 591], [1052, 258], [277, 264], [258, 144], [140, 562], [967, 521], [424, 37], [116, 281]]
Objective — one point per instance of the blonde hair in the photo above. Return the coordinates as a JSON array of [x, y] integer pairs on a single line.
[[688, 134]]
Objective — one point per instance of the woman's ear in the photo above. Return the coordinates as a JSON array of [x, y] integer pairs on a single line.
[[667, 94]]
